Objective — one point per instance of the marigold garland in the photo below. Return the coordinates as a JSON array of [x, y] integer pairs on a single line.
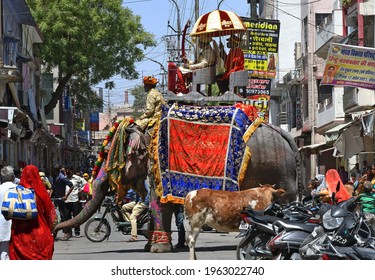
[[102, 154]]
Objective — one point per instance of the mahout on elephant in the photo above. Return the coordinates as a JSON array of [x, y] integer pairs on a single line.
[[192, 147]]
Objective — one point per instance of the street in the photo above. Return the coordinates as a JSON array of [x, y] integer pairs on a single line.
[[210, 246]]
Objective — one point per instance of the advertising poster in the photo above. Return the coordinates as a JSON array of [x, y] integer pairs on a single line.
[[94, 121], [261, 54], [84, 136], [351, 66], [67, 103], [258, 93], [80, 124]]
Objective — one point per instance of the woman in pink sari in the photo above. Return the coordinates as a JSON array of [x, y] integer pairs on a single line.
[[32, 239]]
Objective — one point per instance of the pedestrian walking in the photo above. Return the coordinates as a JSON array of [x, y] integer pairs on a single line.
[[32, 239], [7, 175], [72, 202], [61, 188]]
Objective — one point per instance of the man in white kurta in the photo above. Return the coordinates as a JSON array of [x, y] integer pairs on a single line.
[[7, 176]]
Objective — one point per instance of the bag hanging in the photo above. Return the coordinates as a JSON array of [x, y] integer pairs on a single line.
[[19, 203]]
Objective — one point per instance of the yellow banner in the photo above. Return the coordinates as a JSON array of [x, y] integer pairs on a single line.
[[349, 65], [80, 124]]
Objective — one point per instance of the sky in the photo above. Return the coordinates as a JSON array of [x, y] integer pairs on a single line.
[[155, 15]]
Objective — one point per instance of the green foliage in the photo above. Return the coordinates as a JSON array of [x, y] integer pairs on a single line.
[[347, 3], [90, 40], [140, 97]]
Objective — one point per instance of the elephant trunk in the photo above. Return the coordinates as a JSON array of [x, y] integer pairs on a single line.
[[99, 191]]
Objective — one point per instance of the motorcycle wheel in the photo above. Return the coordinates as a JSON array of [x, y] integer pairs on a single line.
[[94, 233], [243, 252]]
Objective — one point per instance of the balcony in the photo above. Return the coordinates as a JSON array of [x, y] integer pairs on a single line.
[[358, 99], [367, 8], [330, 111], [329, 31], [10, 74]]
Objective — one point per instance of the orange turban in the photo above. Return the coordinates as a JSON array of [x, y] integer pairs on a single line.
[[148, 80]]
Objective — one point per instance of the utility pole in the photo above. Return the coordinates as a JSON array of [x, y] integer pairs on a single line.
[[109, 85], [178, 25], [196, 9], [253, 8]]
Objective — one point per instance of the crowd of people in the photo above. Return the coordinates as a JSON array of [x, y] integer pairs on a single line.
[[359, 181], [33, 239], [61, 195]]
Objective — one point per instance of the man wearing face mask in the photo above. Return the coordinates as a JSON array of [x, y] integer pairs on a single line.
[[234, 61]]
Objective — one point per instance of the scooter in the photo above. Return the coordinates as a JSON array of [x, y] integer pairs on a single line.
[[257, 228], [98, 229], [343, 232]]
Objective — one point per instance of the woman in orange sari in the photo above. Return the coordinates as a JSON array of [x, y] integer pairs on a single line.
[[32, 239]]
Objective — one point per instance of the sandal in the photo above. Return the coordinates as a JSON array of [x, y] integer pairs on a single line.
[[132, 239]]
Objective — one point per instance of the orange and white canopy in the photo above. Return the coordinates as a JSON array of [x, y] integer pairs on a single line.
[[218, 23]]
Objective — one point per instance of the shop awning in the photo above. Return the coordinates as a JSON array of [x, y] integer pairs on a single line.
[[334, 133], [20, 11], [15, 121], [313, 148], [350, 142], [41, 135]]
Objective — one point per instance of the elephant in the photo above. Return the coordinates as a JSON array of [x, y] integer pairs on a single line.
[[275, 159]]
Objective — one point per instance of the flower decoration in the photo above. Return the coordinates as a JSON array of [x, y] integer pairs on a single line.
[[102, 153]]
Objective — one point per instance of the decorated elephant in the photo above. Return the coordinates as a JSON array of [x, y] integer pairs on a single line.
[[192, 147]]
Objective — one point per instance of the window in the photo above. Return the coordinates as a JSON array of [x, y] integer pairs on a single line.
[[319, 18]]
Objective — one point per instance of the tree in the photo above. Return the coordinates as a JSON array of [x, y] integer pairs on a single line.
[[90, 41], [140, 97]]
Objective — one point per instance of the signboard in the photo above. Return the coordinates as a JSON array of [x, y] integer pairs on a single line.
[[80, 124], [262, 48], [67, 104], [84, 136], [94, 121], [351, 66], [258, 92]]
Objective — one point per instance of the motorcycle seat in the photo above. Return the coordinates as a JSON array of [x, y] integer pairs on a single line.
[[291, 226]]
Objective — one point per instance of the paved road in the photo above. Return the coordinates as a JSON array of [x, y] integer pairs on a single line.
[[210, 246]]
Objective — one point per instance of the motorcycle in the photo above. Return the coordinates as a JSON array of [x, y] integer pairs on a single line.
[[351, 253], [342, 227], [98, 229], [288, 238], [256, 229]]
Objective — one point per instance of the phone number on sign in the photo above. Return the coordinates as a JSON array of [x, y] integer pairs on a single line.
[[243, 270]]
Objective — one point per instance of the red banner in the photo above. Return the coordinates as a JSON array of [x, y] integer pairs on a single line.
[[198, 148]]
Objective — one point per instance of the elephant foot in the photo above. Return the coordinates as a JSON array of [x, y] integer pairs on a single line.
[[161, 248], [159, 242]]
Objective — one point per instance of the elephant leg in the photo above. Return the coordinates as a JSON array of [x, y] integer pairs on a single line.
[[160, 237]]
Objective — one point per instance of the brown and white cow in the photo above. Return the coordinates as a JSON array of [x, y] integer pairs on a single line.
[[221, 209]]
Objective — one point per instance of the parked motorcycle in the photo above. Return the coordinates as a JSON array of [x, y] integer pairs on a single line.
[[98, 229], [342, 227], [257, 228], [350, 253]]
